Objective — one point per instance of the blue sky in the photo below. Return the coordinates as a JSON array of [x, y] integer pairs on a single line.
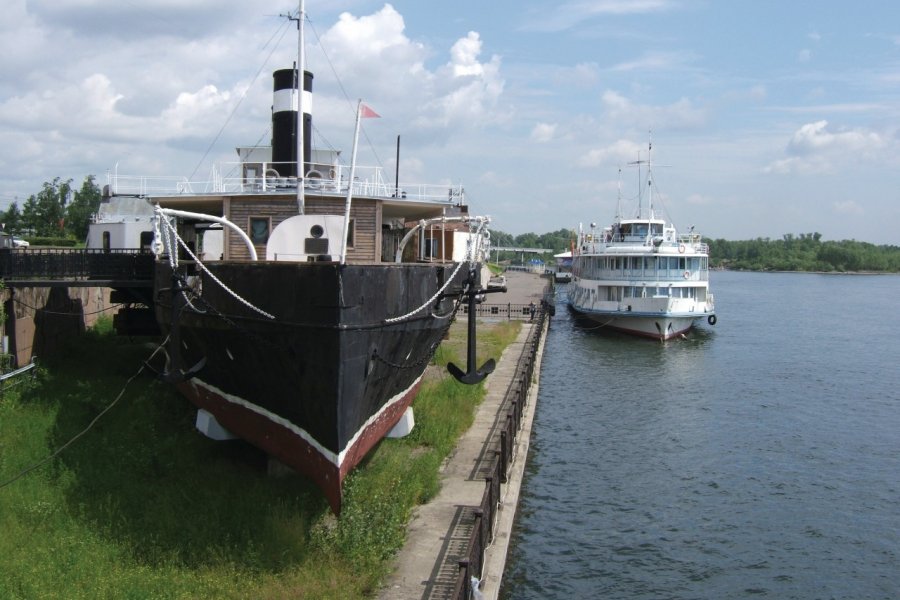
[[767, 118]]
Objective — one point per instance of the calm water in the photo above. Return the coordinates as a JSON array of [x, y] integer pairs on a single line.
[[759, 458]]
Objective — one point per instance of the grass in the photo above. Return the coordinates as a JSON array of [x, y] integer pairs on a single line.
[[142, 506]]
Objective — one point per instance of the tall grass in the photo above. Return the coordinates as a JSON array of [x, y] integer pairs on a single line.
[[142, 506]]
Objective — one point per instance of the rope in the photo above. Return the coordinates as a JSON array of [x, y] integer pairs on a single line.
[[471, 252], [173, 262], [430, 300], [109, 407], [54, 312]]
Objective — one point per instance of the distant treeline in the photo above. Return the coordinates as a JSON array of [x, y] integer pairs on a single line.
[[557, 241], [803, 252]]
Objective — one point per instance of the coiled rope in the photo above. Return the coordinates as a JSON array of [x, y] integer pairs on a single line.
[[471, 252], [173, 262]]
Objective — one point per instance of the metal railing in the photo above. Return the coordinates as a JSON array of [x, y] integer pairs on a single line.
[[76, 263], [506, 311], [471, 563], [368, 181]]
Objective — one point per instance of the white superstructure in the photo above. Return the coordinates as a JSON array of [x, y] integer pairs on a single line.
[[640, 276]]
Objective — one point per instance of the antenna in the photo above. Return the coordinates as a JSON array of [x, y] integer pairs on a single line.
[[298, 85]]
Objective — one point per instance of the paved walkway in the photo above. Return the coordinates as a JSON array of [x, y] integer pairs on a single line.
[[438, 532]]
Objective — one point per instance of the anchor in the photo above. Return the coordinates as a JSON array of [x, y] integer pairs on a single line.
[[472, 375]]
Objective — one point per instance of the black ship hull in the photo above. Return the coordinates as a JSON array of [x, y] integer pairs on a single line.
[[322, 382]]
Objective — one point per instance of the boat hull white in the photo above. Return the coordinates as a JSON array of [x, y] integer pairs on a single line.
[[658, 327]]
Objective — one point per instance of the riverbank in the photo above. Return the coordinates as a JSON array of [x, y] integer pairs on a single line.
[[440, 530], [142, 505]]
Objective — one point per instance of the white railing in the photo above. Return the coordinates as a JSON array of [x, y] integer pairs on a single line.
[[264, 178]]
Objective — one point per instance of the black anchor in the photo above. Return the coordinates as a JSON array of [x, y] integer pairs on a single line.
[[472, 375]]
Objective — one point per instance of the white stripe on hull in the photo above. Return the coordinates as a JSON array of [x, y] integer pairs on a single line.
[[662, 327], [336, 459]]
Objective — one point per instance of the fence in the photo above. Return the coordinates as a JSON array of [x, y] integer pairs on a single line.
[[72, 263], [470, 565], [501, 311]]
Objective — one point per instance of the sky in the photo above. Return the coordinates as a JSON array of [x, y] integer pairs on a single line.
[[766, 117]]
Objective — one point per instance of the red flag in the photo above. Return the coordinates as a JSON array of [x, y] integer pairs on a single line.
[[367, 113]]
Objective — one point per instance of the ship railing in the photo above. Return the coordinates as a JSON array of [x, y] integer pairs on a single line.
[[638, 276], [693, 240], [250, 178], [508, 311], [485, 515], [126, 264]]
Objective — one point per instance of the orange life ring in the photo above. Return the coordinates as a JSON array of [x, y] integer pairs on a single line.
[[681, 248]]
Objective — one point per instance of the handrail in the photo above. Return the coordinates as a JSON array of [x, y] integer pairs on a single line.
[[471, 563], [368, 181]]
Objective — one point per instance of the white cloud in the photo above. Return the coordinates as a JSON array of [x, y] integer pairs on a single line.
[[814, 148], [572, 13], [543, 132], [464, 56], [805, 55], [700, 200], [848, 207], [465, 91], [363, 38], [374, 48], [815, 137], [680, 114], [656, 61], [616, 154]]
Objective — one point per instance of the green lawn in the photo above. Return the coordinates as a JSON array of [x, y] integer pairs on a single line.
[[143, 506]]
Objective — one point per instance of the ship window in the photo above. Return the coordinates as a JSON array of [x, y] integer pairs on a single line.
[[106, 242], [431, 247], [259, 230], [146, 240]]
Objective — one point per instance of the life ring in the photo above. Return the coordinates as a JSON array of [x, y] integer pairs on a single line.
[[687, 274], [711, 319], [681, 248]]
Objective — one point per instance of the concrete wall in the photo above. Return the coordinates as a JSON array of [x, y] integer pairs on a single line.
[[39, 320]]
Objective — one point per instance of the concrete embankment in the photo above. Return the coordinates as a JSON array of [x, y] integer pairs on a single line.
[[439, 531]]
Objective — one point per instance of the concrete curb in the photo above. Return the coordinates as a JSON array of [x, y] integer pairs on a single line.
[[438, 531], [495, 555]]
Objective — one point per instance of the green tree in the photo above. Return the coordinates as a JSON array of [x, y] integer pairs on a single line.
[[85, 204], [44, 213], [30, 217], [12, 218]]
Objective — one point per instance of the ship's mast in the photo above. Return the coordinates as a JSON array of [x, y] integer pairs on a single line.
[[649, 179], [301, 70], [639, 162]]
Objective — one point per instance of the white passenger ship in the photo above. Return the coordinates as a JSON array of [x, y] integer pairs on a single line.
[[640, 276]]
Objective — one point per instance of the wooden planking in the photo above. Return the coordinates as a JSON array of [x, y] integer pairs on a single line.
[[364, 213]]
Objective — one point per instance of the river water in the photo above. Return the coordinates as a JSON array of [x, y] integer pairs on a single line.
[[757, 458]]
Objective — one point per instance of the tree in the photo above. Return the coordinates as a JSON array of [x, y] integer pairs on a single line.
[[29, 215], [12, 218], [85, 203], [44, 214]]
